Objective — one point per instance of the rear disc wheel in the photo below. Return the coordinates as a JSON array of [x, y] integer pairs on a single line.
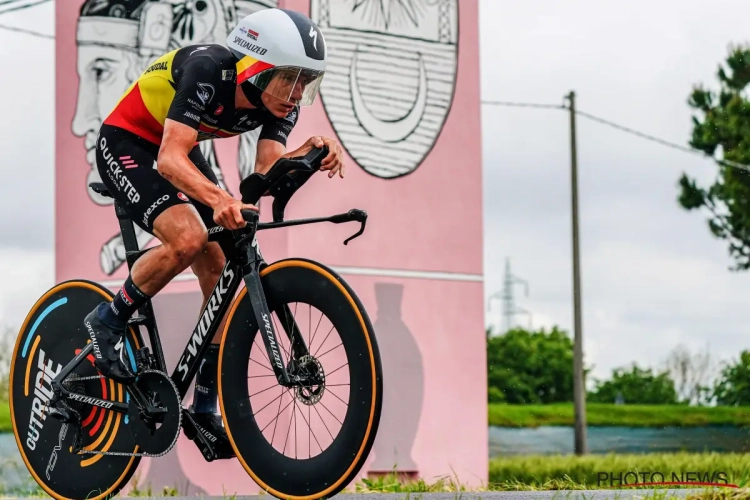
[[52, 334]]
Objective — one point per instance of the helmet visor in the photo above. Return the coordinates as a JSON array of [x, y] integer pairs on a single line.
[[290, 83]]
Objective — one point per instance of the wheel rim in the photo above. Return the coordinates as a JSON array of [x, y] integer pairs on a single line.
[[51, 335]]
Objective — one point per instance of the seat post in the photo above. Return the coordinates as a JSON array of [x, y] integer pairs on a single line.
[[129, 240]]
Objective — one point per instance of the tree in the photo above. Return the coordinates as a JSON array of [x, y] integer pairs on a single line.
[[637, 386], [526, 367], [725, 125], [733, 388], [692, 374]]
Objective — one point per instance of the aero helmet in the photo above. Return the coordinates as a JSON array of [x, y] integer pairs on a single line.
[[277, 50]]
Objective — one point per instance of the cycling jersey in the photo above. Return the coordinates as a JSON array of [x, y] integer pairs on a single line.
[[194, 85]]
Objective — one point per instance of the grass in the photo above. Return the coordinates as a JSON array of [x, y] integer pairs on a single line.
[[600, 414], [539, 470], [5, 425]]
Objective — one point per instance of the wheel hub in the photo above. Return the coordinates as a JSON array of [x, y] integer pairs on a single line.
[[311, 380]]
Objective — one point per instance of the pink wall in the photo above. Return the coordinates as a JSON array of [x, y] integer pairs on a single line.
[[430, 326]]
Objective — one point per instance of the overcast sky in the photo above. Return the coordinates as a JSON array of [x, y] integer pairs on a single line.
[[653, 276]]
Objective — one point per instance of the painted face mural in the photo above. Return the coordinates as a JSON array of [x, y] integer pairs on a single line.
[[116, 40], [389, 83]]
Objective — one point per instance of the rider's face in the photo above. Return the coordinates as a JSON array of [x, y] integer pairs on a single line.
[[280, 107]]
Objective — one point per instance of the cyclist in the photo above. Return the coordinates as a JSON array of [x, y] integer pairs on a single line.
[[148, 157]]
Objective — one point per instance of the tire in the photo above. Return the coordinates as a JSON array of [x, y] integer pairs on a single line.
[[51, 336], [331, 470]]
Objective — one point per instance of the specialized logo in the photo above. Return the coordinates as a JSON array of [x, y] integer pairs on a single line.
[[314, 36], [89, 400], [182, 196], [115, 173], [53, 457], [250, 46], [210, 436], [153, 207], [156, 66], [97, 351], [217, 297], [42, 395], [198, 50], [205, 92], [216, 229], [272, 341], [219, 110]]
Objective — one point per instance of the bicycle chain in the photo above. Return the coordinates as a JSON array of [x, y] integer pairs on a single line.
[[122, 453]]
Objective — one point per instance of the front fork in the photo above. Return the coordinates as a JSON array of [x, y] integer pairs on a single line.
[[287, 375]]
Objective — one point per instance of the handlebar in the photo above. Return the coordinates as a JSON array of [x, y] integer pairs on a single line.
[[285, 174], [281, 181]]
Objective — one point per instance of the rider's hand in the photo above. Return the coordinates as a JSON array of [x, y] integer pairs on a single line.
[[227, 212], [335, 159]]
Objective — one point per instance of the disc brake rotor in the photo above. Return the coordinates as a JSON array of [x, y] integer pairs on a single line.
[[155, 434]]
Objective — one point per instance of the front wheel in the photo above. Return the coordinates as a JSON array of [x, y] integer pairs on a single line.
[[308, 441]]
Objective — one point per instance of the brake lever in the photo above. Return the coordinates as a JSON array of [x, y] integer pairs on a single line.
[[354, 214]]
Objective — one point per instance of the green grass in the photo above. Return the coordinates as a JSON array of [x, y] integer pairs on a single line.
[[539, 470], [569, 472], [599, 414], [5, 425]]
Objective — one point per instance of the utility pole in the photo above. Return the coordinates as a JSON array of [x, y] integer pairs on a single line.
[[579, 388]]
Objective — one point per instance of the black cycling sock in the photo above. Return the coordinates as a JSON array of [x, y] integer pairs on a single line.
[[205, 396], [127, 301]]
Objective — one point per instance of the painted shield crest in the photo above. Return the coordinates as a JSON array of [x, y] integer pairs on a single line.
[[390, 77]]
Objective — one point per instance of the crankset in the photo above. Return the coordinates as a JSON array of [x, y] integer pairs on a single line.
[[155, 432]]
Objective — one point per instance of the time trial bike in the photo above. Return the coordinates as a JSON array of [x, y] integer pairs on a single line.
[[82, 435]]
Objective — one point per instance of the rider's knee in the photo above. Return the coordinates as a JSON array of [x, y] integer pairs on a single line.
[[186, 247]]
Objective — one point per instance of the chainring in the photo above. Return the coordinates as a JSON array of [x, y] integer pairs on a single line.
[[152, 437]]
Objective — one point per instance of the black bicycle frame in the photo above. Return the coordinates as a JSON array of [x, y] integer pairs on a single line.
[[244, 261]]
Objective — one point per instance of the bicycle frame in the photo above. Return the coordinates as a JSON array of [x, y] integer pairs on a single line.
[[244, 260]]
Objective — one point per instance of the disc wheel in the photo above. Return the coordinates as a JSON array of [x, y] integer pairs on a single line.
[[52, 334], [310, 441]]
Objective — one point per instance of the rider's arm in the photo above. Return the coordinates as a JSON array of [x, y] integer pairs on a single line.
[[174, 165], [272, 141], [194, 96]]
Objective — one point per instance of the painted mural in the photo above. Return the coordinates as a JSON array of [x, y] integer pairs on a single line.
[[390, 80], [389, 97]]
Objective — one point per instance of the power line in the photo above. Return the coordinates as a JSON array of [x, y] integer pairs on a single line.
[[22, 7], [27, 32], [622, 128]]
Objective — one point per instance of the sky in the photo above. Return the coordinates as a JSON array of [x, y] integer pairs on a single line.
[[652, 275]]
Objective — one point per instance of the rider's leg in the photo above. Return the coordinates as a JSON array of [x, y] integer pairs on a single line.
[[208, 266], [126, 165]]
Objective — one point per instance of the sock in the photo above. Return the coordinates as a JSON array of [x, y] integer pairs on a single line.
[[116, 314], [205, 396]]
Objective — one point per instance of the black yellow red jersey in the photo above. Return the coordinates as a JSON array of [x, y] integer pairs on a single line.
[[194, 85]]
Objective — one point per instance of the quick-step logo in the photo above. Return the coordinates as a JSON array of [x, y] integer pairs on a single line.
[[206, 319]]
